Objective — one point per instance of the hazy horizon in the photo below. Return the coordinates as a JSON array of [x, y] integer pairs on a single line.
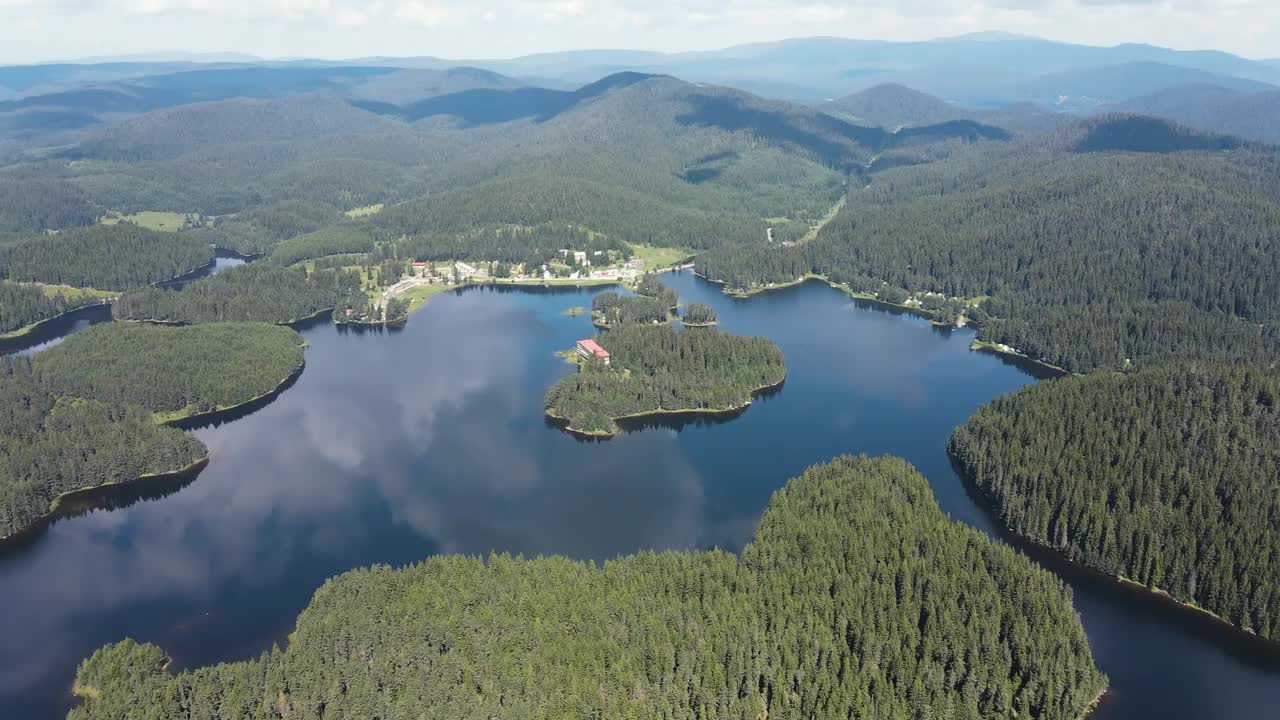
[[42, 31]]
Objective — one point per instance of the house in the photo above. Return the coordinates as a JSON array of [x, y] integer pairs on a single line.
[[590, 348], [580, 257]]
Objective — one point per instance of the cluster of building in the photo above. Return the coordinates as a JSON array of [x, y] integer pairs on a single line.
[[460, 272]]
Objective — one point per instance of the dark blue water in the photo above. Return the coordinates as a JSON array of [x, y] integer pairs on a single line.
[[55, 331], [394, 445]]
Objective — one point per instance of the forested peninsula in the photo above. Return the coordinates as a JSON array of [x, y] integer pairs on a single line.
[[175, 372], [89, 411], [23, 306], [258, 292], [1168, 477], [655, 369], [858, 598], [105, 257]]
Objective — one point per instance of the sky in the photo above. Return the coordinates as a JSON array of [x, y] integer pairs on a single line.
[[44, 30]]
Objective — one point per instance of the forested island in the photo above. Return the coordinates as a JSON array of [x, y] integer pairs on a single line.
[[699, 315], [652, 302], [858, 598], [88, 412], [655, 369], [1168, 477]]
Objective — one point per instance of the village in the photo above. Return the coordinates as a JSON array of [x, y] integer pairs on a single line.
[[572, 267]]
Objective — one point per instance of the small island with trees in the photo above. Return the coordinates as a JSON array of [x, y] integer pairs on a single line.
[[640, 366], [652, 303], [699, 315]]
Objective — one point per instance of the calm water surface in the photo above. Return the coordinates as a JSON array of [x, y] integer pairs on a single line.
[[394, 445], [54, 332]]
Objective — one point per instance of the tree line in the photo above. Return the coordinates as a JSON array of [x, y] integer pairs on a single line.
[[105, 257], [256, 292], [22, 305], [857, 598], [1169, 477]]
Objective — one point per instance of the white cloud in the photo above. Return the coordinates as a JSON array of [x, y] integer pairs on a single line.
[[504, 28]]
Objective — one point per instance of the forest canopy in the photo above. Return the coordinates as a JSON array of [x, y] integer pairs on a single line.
[[172, 370], [1087, 260], [1169, 477], [257, 292], [858, 598], [106, 257], [24, 304], [50, 445]]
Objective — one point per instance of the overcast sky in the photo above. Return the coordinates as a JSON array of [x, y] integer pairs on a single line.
[[40, 30]]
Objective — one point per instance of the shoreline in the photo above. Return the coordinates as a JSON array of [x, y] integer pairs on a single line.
[[1150, 593], [999, 349], [977, 345], [562, 421], [35, 327], [579, 283], [57, 505], [179, 421], [1093, 705]]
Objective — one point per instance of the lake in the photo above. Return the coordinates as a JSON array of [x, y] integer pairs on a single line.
[[397, 444], [58, 329]]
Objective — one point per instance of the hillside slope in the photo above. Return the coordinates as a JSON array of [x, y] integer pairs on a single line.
[[892, 106], [1094, 248], [1253, 116]]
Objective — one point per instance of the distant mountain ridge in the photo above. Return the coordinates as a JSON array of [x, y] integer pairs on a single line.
[[832, 139], [979, 70], [1091, 88]]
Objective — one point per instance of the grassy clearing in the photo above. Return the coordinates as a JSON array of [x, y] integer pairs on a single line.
[[826, 219], [152, 220], [74, 293], [418, 295], [366, 211], [659, 257]]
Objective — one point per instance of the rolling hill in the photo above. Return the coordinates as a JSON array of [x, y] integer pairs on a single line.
[[892, 106], [175, 131], [1253, 116]]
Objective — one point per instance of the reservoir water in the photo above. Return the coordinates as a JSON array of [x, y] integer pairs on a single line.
[[397, 444], [55, 331]]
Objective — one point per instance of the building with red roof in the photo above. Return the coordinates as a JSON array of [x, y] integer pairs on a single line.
[[590, 348]]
